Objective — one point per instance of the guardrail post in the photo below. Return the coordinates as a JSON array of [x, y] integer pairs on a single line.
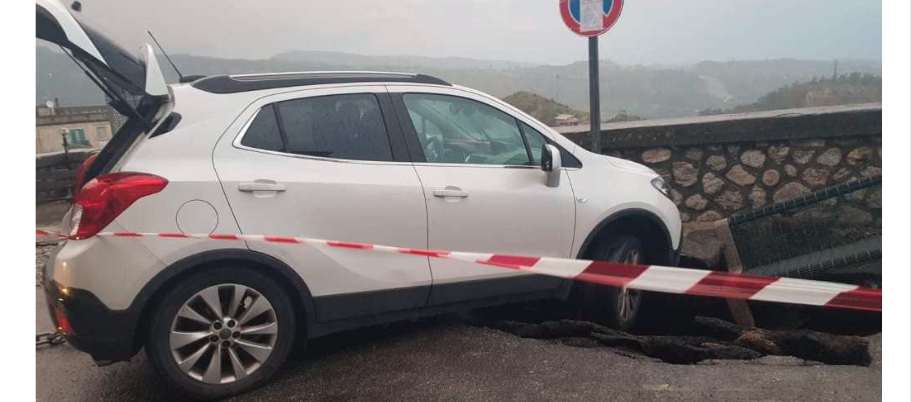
[[740, 309]]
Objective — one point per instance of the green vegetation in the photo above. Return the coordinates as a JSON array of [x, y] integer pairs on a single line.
[[842, 90], [542, 108]]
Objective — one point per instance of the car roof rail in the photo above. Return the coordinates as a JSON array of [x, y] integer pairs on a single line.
[[224, 84]]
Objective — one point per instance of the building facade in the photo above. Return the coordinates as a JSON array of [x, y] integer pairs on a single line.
[[566, 120], [80, 127]]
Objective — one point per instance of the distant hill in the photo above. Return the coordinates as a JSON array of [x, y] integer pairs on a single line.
[[542, 108], [842, 90], [57, 77], [647, 91], [745, 81], [382, 62]]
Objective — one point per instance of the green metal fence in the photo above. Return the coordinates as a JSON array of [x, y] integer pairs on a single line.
[[836, 231]]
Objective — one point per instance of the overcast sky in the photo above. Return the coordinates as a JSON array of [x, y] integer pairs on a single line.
[[649, 31]]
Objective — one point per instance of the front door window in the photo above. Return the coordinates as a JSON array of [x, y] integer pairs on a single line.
[[458, 130]]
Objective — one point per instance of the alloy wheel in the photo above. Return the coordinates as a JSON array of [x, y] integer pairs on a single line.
[[223, 333], [628, 300]]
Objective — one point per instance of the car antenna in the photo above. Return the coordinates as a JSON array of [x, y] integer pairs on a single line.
[[166, 56]]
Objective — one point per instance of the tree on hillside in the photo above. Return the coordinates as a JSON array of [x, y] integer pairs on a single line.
[[820, 91], [544, 109]]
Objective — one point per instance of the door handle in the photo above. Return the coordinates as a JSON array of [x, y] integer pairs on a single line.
[[450, 192], [260, 186]]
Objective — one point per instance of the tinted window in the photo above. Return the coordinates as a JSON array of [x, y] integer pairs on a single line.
[[458, 130], [338, 126], [263, 132]]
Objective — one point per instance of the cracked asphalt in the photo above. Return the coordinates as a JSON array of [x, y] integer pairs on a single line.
[[445, 360]]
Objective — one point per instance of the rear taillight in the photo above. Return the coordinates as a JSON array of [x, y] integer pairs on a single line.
[[105, 197], [63, 323], [80, 174]]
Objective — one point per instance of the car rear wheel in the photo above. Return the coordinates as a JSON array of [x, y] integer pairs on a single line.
[[615, 307], [221, 332]]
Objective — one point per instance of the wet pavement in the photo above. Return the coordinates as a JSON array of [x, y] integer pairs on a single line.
[[444, 359]]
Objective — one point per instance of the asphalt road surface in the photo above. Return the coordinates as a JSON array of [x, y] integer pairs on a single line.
[[443, 359]]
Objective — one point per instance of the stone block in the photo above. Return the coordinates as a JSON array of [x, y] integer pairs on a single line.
[[790, 170], [709, 216], [716, 162], [789, 191], [802, 156], [712, 184], [656, 155], [739, 175], [753, 158], [697, 202], [771, 177], [694, 154], [685, 174], [830, 158], [778, 153], [730, 200], [859, 155], [815, 178]]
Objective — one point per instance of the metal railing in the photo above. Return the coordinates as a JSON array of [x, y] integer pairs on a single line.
[[833, 231]]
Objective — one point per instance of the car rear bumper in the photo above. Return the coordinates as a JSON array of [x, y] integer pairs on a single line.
[[107, 335]]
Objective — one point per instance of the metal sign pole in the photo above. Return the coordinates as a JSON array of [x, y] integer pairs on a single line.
[[594, 95]]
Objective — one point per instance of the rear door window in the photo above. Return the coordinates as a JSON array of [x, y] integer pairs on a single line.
[[338, 126], [347, 126], [263, 132]]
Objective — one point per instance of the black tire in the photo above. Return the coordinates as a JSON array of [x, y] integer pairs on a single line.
[[602, 304], [157, 343]]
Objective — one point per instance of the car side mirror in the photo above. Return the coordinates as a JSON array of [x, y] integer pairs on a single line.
[[551, 164]]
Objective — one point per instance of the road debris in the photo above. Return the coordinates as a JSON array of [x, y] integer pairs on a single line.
[[49, 339], [711, 339]]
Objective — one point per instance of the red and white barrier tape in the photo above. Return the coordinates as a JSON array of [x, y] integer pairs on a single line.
[[643, 277]]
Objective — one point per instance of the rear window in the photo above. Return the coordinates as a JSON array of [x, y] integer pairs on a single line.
[[263, 132], [338, 126]]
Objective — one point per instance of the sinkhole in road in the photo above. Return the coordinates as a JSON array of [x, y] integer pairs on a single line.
[[681, 329]]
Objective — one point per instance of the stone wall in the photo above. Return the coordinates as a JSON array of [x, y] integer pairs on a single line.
[[711, 182], [55, 173], [718, 165]]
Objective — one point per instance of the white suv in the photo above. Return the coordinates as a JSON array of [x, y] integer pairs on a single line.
[[385, 158]]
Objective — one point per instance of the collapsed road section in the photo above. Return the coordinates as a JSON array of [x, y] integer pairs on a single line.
[[712, 339]]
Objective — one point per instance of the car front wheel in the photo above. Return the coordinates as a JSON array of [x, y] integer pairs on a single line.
[[221, 332], [615, 307]]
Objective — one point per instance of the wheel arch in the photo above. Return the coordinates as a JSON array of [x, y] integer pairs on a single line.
[[645, 225], [287, 278]]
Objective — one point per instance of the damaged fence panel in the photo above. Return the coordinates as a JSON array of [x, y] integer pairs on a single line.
[[835, 232]]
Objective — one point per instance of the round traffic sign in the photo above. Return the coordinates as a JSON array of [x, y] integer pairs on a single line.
[[590, 17]]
